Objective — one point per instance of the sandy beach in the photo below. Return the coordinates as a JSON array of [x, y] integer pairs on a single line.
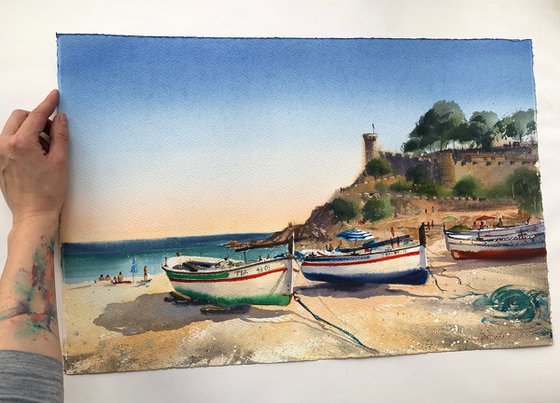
[[131, 327]]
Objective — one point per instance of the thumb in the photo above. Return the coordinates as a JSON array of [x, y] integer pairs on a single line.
[[59, 137]]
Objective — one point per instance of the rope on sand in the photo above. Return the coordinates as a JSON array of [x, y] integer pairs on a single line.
[[468, 294], [297, 298], [434, 277]]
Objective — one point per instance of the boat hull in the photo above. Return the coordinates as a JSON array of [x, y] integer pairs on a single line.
[[399, 266], [500, 232], [519, 246], [498, 254], [262, 283]]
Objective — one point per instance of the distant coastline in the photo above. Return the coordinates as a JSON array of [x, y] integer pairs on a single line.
[[142, 245]]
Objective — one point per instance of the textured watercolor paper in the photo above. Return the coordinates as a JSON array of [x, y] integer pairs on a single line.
[[194, 161]]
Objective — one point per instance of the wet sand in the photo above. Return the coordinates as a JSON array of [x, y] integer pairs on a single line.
[[130, 327]]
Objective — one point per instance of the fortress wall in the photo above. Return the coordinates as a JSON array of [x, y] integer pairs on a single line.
[[402, 163], [448, 166], [492, 171]]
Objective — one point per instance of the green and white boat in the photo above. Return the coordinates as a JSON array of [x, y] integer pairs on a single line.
[[229, 283]]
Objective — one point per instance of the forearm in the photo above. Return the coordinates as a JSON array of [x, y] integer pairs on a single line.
[[28, 319]]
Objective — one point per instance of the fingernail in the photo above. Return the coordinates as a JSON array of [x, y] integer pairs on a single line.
[[62, 117]]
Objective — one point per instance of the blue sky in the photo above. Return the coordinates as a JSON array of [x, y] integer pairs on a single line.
[[224, 117]]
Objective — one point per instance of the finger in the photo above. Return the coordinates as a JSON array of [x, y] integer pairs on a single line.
[[14, 121], [45, 137], [37, 119], [59, 138]]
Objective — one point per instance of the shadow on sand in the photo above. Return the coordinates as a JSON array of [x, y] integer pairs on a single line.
[[150, 312], [451, 264], [361, 291]]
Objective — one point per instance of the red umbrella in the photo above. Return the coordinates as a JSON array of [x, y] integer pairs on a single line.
[[485, 218]]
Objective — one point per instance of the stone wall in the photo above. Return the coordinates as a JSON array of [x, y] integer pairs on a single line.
[[494, 166], [401, 163], [448, 166]]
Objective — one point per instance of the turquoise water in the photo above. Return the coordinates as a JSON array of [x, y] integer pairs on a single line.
[[86, 261]]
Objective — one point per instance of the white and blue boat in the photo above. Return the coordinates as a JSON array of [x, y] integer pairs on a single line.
[[405, 264]]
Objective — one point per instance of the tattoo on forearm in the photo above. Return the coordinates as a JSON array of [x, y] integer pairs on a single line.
[[35, 293]]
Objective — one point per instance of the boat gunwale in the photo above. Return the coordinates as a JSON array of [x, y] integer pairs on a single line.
[[494, 240], [203, 272], [361, 255], [497, 231]]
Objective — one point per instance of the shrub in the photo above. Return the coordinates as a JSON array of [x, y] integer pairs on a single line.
[[381, 187], [525, 186], [499, 190], [468, 186], [378, 167], [344, 210], [430, 189], [377, 209], [401, 186], [418, 175]]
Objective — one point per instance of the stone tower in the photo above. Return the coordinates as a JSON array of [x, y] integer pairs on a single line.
[[370, 143], [447, 168]]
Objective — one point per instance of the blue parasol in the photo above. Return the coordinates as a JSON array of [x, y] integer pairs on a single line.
[[133, 267], [355, 234]]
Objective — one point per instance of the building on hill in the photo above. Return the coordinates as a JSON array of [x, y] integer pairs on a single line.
[[448, 166], [370, 143]]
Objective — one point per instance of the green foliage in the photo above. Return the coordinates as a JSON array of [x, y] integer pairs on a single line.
[[445, 123], [467, 186], [500, 190], [430, 189], [377, 209], [381, 187], [418, 175], [378, 167], [481, 129], [436, 127], [518, 125], [344, 210], [401, 186], [525, 187]]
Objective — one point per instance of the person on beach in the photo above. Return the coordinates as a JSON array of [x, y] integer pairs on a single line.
[[115, 280], [107, 278], [101, 278], [120, 277], [33, 179], [145, 273]]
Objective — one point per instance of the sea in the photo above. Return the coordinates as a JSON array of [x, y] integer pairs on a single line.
[[85, 262]]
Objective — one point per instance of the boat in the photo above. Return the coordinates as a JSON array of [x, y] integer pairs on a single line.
[[498, 232], [508, 246], [228, 283], [403, 264]]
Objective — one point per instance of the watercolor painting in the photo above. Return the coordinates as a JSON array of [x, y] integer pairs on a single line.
[[263, 200]]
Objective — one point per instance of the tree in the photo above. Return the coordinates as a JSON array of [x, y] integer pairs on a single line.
[[436, 127], [378, 167], [467, 186], [525, 185], [482, 128], [377, 209], [519, 125], [344, 210]]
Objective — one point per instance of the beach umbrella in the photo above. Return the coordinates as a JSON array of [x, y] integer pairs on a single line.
[[355, 234], [485, 218], [133, 267]]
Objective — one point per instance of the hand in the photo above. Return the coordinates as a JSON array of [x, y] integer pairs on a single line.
[[33, 180]]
